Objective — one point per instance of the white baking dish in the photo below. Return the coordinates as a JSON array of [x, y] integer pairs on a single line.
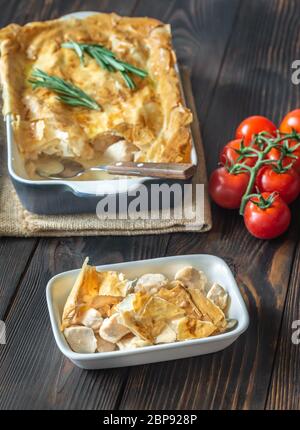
[[216, 270], [63, 196]]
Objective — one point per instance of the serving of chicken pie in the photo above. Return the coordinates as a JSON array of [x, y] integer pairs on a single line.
[[106, 312], [101, 88]]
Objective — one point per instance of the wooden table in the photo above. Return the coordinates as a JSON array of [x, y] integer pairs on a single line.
[[240, 53]]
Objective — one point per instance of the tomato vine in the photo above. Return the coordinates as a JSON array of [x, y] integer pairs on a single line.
[[265, 143]]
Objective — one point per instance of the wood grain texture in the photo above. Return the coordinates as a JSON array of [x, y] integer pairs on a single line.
[[240, 53], [254, 79], [256, 74], [154, 170], [14, 253], [31, 361], [285, 384], [35, 10], [200, 30], [194, 25], [33, 372], [14, 257]]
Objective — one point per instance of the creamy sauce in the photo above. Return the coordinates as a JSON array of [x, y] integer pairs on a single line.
[[33, 165]]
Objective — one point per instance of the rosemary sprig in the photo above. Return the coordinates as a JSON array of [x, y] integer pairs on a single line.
[[107, 60], [67, 92]]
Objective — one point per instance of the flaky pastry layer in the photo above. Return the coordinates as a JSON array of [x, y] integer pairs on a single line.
[[153, 117]]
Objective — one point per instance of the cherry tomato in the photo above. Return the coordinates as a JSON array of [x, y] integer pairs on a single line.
[[270, 222], [291, 122], [230, 154], [227, 189], [254, 125], [287, 183], [275, 155]]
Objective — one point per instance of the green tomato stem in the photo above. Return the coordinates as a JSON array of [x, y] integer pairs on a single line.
[[253, 173], [270, 143]]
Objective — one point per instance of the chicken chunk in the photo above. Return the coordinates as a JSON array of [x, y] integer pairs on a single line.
[[120, 151], [104, 346], [103, 140], [218, 296], [111, 330], [127, 303], [81, 339], [132, 342], [91, 318], [192, 278], [151, 283], [166, 336]]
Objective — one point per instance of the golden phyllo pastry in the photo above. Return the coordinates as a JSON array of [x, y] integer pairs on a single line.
[[143, 119], [105, 311]]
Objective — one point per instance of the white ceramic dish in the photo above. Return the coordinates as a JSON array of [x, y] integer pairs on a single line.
[[79, 188], [216, 270]]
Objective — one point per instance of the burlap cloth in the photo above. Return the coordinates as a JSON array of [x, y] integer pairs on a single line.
[[16, 221]]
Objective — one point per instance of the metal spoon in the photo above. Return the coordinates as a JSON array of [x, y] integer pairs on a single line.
[[69, 169]]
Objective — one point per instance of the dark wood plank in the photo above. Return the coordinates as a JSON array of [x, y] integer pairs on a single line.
[[14, 253], [285, 383], [255, 78], [23, 11], [34, 10], [30, 343], [237, 378], [14, 257], [200, 30], [31, 354]]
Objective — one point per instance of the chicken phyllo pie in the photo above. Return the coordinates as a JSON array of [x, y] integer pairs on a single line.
[[105, 311], [100, 88]]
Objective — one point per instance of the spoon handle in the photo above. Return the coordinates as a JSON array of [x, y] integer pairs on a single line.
[[154, 170]]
